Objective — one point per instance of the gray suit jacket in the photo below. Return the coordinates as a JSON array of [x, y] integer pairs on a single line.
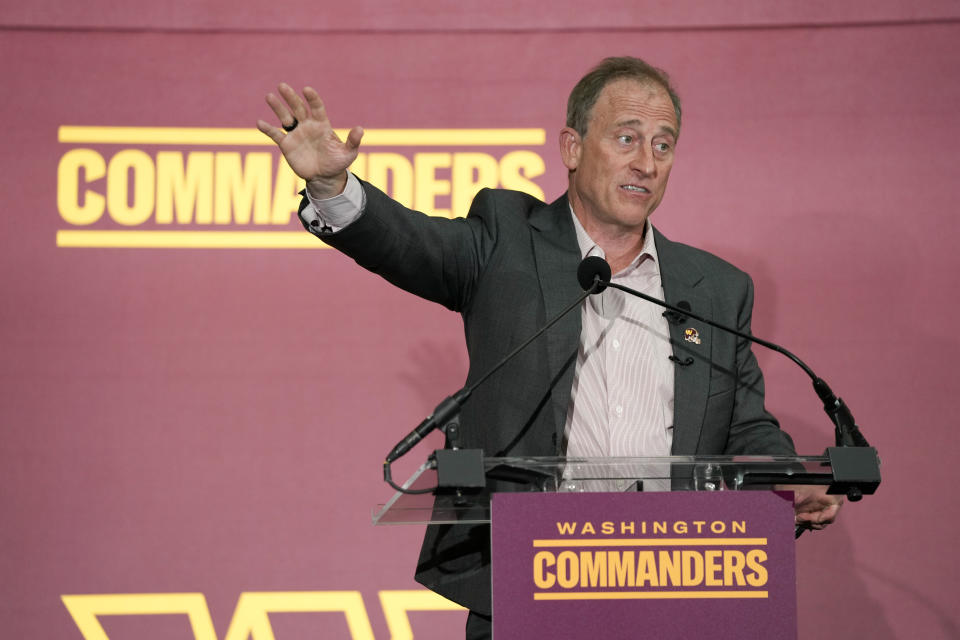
[[507, 268]]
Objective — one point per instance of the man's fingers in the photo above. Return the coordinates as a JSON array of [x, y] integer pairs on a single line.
[[820, 518], [315, 103], [280, 109], [354, 137], [273, 133], [306, 139], [294, 101]]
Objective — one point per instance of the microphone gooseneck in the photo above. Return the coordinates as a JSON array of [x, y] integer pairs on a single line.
[[846, 430]]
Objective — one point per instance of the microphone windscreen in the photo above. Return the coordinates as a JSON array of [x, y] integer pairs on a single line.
[[591, 268]]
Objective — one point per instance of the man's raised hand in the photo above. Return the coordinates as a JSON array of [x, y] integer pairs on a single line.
[[308, 142]]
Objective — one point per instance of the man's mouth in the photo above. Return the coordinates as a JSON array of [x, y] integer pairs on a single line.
[[634, 188]]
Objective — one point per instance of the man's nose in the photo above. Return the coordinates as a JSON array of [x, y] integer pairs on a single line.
[[643, 161]]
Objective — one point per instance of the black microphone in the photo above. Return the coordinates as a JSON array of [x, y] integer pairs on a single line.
[[591, 272], [680, 362], [846, 430], [676, 318], [444, 412]]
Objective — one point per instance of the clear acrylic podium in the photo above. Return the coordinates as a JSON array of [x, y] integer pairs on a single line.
[[853, 471]]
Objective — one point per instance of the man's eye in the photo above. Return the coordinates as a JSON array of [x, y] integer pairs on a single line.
[[625, 139], [662, 147]]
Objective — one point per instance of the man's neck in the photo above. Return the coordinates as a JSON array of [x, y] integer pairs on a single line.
[[620, 246]]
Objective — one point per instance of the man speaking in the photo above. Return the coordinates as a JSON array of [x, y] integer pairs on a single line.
[[615, 380]]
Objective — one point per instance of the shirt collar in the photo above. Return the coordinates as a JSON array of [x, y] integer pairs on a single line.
[[590, 248]]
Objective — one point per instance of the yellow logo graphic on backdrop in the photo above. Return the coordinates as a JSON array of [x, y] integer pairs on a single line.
[[250, 618], [181, 187]]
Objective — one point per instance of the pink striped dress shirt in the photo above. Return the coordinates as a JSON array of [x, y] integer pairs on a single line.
[[621, 403]]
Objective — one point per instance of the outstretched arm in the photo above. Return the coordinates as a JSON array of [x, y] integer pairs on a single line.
[[308, 142]]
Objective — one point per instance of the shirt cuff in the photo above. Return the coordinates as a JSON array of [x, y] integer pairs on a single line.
[[330, 215]]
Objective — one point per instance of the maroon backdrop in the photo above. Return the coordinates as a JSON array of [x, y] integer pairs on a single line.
[[212, 421]]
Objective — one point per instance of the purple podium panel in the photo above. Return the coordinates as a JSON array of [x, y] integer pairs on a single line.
[[711, 565]]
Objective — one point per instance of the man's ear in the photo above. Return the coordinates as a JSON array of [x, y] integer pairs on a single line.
[[571, 146]]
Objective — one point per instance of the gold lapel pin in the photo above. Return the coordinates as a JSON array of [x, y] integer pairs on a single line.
[[691, 335]]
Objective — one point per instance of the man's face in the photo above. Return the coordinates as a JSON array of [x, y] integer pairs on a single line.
[[619, 169]]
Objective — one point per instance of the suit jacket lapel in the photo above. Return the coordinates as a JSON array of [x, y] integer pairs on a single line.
[[557, 256], [691, 382]]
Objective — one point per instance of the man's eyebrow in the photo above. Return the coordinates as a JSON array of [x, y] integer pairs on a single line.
[[671, 131], [636, 122]]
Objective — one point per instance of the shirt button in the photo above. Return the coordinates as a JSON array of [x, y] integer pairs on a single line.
[[616, 345], [619, 411]]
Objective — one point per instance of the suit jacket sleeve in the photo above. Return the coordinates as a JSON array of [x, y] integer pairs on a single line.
[[435, 258]]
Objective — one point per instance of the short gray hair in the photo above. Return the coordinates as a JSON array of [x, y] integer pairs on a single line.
[[585, 94]]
